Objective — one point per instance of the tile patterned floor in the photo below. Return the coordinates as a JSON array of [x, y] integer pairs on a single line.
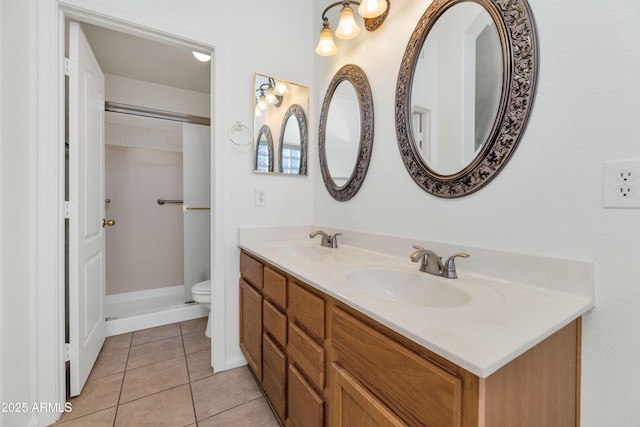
[[162, 377]]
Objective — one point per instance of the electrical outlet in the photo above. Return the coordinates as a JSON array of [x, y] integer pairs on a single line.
[[261, 197], [620, 184], [626, 175], [625, 191]]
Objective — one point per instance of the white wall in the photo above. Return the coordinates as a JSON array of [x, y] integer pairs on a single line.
[[548, 199], [17, 376]]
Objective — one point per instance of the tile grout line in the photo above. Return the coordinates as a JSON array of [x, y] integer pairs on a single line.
[[193, 401], [234, 407], [124, 374]]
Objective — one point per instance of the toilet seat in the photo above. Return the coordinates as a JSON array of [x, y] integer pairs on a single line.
[[202, 288]]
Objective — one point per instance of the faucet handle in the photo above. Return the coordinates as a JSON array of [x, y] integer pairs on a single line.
[[449, 270], [419, 250], [334, 240]]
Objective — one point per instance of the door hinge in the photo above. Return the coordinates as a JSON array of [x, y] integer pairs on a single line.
[[69, 210], [70, 67], [69, 352]]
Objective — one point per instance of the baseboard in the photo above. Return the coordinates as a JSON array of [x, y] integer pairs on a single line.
[[236, 362]]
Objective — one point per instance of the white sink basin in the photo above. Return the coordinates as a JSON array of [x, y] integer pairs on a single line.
[[417, 289], [301, 249]]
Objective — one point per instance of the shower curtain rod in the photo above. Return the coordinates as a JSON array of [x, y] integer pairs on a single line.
[[116, 107]]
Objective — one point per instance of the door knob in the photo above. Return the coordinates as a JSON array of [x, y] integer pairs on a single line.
[[108, 222]]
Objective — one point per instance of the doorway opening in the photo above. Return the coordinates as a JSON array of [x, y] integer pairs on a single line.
[[154, 252]]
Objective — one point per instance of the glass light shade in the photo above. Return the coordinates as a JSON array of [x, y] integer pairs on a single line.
[[281, 88], [347, 27], [258, 112], [262, 102], [326, 46], [202, 57], [271, 96], [372, 8]]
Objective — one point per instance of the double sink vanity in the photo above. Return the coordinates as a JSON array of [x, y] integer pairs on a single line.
[[358, 335], [344, 328]]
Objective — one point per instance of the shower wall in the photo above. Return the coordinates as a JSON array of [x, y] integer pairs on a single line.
[[144, 162]]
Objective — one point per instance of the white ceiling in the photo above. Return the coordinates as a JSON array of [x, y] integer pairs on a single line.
[[138, 58]]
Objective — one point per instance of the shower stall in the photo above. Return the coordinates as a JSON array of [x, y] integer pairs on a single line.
[[158, 193]]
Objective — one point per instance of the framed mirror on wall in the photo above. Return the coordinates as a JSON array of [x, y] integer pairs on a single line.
[[280, 116], [345, 139], [465, 91]]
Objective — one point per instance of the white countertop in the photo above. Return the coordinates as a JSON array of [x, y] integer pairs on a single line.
[[510, 310]]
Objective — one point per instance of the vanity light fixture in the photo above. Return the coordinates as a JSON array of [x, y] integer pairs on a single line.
[[268, 94], [374, 12]]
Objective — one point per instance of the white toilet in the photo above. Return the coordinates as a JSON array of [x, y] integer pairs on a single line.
[[201, 293]]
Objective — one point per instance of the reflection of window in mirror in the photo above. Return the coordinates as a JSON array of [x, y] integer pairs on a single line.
[[421, 131], [290, 158], [262, 160]]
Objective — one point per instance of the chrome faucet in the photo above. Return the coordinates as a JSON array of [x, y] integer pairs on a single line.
[[327, 240], [432, 263]]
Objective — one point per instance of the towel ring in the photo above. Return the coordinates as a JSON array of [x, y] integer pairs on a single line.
[[236, 131]]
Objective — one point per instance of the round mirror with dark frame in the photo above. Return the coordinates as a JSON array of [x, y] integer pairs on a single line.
[[264, 150], [345, 148], [465, 92], [292, 149]]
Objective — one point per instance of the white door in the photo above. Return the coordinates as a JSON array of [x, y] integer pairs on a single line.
[[86, 206], [196, 172]]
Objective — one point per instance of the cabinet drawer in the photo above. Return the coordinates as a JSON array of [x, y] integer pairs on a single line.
[[275, 322], [306, 407], [416, 389], [275, 288], [274, 369], [307, 309], [251, 270], [307, 355]]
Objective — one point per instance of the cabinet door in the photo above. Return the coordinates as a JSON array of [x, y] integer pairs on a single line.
[[251, 327], [419, 391], [306, 407], [353, 405]]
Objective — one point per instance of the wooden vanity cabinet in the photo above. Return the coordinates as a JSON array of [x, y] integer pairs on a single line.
[[322, 363], [251, 271]]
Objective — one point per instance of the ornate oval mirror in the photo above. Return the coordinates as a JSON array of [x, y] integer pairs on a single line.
[[464, 93], [292, 151], [346, 132], [264, 150]]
